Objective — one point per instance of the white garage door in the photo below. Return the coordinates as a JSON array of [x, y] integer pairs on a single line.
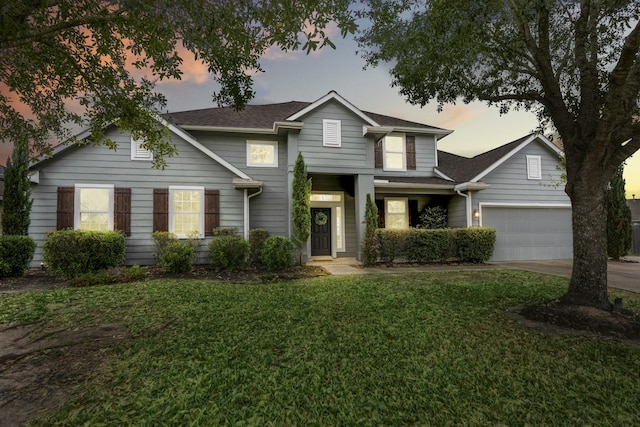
[[530, 233]]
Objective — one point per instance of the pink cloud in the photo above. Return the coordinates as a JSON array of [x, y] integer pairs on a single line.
[[453, 116]]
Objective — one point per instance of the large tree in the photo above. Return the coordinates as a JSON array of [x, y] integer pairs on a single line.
[[94, 62], [577, 63]]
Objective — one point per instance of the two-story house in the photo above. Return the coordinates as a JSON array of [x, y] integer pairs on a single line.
[[235, 169]]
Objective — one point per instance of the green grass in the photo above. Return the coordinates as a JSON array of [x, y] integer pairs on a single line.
[[422, 349]]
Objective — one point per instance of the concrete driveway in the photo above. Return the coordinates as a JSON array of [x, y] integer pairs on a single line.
[[624, 274]]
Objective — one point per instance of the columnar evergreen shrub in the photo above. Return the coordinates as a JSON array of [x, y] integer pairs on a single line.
[[228, 253], [69, 253], [619, 231], [257, 237], [17, 193], [276, 253], [370, 243], [300, 205], [16, 252]]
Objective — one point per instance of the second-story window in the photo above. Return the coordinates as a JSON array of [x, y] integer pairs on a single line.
[[262, 154], [394, 152]]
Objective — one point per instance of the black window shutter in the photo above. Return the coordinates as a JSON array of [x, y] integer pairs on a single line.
[[64, 212], [411, 152], [161, 209], [211, 211], [122, 210]]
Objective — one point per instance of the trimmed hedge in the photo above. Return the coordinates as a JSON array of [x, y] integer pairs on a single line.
[[440, 245], [69, 253], [16, 252]]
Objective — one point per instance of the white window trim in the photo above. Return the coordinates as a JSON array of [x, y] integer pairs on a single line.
[[332, 205], [404, 153], [139, 153], [174, 188], [406, 210], [274, 144], [537, 160], [76, 203], [326, 142]]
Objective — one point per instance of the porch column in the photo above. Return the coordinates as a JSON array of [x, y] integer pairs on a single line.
[[363, 186]]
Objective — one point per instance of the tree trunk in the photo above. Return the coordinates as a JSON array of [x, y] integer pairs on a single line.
[[588, 285]]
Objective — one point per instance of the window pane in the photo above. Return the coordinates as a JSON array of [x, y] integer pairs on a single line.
[[94, 199], [396, 206], [394, 143], [394, 160], [263, 154], [94, 221], [395, 221], [326, 198], [185, 224], [186, 201]]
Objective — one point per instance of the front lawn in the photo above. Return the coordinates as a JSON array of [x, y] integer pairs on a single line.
[[421, 349]]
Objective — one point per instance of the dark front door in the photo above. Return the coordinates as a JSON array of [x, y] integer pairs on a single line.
[[320, 233]]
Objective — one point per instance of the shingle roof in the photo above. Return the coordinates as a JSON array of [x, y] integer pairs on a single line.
[[463, 169], [263, 117]]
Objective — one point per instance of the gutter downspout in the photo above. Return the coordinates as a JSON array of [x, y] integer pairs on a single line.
[[247, 197], [468, 197]]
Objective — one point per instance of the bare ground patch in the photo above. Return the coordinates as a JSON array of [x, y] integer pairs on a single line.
[[40, 367]]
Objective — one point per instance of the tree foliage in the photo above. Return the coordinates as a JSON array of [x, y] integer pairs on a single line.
[[619, 232], [17, 194], [576, 64], [300, 205], [95, 62]]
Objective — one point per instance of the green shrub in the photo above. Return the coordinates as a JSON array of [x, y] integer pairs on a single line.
[[101, 277], [276, 253], [161, 239], [475, 244], [392, 244], [257, 236], [176, 257], [69, 253], [430, 245], [219, 231], [439, 245], [16, 252], [433, 217], [228, 253], [134, 273]]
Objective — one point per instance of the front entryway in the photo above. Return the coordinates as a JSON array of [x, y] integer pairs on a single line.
[[320, 231]]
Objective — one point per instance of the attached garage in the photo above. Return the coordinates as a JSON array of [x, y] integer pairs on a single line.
[[529, 232]]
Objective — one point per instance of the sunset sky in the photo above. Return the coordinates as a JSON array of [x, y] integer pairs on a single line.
[[295, 76]]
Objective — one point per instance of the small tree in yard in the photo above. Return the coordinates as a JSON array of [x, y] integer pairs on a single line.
[[370, 244], [17, 193], [300, 205], [618, 217]]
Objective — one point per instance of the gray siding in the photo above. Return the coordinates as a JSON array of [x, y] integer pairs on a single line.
[[269, 209], [457, 213], [355, 154], [509, 183], [99, 165]]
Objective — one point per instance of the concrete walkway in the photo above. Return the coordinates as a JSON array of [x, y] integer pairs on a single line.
[[623, 274]]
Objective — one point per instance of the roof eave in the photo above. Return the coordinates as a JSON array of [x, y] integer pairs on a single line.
[[466, 186], [385, 130], [277, 127]]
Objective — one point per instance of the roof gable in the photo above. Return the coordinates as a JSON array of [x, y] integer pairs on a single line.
[[464, 169], [333, 96]]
